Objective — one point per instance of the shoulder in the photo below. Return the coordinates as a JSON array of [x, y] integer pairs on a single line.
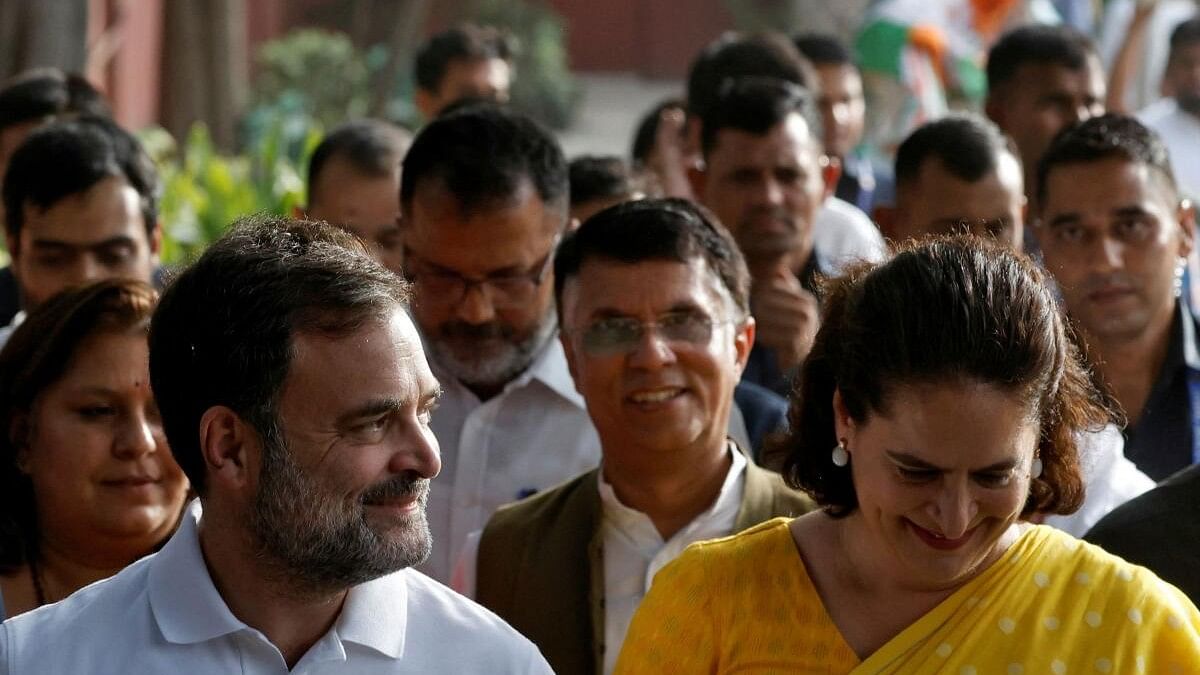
[[542, 510], [454, 617], [755, 399], [1091, 566], [1157, 513], [112, 614], [785, 500], [729, 555]]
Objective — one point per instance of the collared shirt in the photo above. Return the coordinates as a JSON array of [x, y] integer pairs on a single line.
[[1110, 480], [843, 234], [163, 614], [533, 435], [634, 551], [1161, 442], [1180, 133]]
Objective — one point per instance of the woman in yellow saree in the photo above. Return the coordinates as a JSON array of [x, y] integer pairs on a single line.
[[937, 413]]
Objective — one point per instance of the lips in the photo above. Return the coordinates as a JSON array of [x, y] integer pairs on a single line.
[[1109, 294], [654, 396], [130, 481], [938, 541]]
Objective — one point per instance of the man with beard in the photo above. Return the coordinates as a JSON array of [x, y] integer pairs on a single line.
[[1115, 234], [1177, 118], [484, 201], [296, 397]]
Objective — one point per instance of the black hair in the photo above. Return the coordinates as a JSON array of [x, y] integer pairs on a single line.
[[68, 157], [756, 105], [1105, 137], [1186, 34], [372, 147], [647, 129], [822, 49], [37, 355], [736, 55], [951, 309], [48, 92], [223, 332], [600, 177], [467, 42], [1037, 44], [482, 153], [967, 145], [671, 229]]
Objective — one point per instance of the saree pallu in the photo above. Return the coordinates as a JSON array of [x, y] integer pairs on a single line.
[[1050, 605]]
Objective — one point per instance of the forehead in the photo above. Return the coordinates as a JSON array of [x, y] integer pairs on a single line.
[[644, 289], [383, 358], [109, 357], [494, 235], [839, 79], [789, 141], [110, 208], [1033, 79], [481, 74], [1108, 183], [936, 189], [344, 194]]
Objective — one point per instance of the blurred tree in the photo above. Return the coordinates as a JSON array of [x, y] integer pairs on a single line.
[[39, 34]]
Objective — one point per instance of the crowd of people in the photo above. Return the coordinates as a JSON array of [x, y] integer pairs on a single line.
[[748, 400]]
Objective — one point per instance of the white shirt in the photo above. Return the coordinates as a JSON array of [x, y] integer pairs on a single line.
[[7, 331], [163, 614], [1180, 132], [842, 234], [532, 436], [1109, 477], [634, 551]]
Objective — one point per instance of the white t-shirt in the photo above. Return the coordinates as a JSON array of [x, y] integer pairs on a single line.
[[163, 614], [1180, 132], [842, 234]]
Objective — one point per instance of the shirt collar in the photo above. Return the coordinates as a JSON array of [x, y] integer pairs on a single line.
[[626, 518], [189, 609], [1187, 335]]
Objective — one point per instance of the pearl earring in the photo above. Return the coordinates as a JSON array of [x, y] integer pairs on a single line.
[[1035, 471], [839, 456]]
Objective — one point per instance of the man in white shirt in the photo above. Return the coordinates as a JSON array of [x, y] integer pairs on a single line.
[[295, 395], [653, 301], [1176, 118], [484, 201]]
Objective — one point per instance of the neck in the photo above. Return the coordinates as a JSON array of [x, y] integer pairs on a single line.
[[672, 491], [1129, 365], [60, 572], [485, 392], [258, 595]]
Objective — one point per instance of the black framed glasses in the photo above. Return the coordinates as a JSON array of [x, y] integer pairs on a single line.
[[503, 290]]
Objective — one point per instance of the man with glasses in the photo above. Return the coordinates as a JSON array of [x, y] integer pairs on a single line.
[[484, 201], [653, 298], [1115, 234]]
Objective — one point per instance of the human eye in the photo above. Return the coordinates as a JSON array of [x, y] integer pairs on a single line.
[[610, 334], [96, 411], [692, 327], [994, 479], [371, 430], [911, 475], [1134, 228], [1069, 234], [115, 255]]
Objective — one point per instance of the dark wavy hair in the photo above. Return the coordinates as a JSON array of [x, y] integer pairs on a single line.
[[36, 356], [951, 308]]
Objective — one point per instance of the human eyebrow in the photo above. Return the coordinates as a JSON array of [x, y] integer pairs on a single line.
[[370, 409], [1135, 211], [52, 245], [912, 461], [1064, 219]]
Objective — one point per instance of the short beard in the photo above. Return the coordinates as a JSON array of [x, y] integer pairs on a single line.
[[1189, 103], [493, 369], [318, 541]]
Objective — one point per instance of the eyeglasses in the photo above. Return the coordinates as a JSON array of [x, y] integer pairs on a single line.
[[504, 290], [621, 335]]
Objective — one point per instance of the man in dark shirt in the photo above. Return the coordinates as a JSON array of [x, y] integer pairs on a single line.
[[1115, 234]]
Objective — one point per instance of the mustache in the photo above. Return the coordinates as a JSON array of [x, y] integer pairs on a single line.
[[1097, 282], [461, 330], [401, 486], [774, 213]]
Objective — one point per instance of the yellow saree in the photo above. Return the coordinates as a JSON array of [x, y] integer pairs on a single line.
[[1052, 604]]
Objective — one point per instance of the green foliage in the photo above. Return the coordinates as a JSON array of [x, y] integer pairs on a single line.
[[543, 86], [203, 191], [322, 73]]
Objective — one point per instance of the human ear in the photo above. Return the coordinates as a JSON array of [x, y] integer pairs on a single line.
[[226, 443]]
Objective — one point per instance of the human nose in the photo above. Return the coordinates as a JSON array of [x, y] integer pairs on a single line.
[[956, 509], [652, 349], [420, 453], [1111, 255], [135, 437], [475, 306]]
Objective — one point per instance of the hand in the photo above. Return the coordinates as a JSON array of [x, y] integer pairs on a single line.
[[787, 317], [668, 158]]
